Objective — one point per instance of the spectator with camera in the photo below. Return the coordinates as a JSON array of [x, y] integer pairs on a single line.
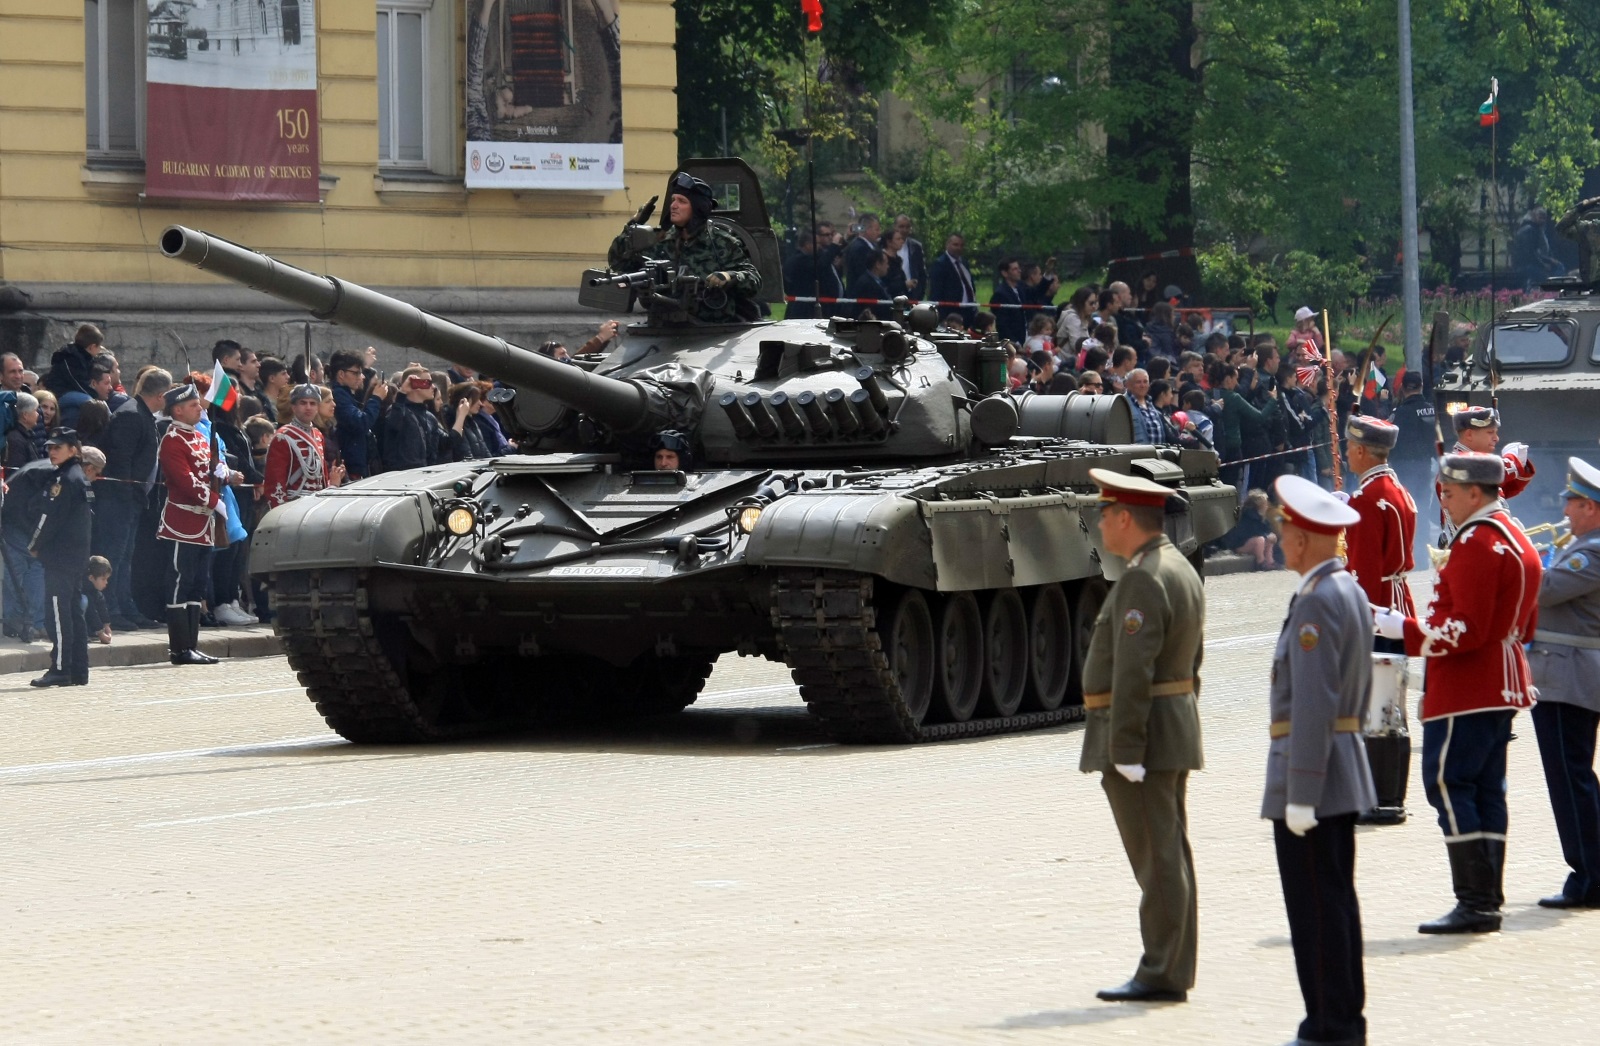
[[357, 404]]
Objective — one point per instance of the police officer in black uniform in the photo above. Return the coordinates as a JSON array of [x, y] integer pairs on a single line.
[[61, 543]]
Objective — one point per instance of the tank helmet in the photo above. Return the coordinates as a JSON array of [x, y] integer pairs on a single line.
[[678, 443], [696, 191]]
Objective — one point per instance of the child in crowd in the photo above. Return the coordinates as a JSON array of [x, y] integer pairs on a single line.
[[97, 619], [1253, 536]]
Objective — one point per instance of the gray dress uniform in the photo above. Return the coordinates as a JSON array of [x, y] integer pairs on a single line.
[[1565, 661], [1321, 677]]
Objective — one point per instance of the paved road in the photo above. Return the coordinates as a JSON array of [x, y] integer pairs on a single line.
[[212, 865]]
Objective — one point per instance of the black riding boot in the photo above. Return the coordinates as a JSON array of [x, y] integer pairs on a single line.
[[1494, 852], [194, 638], [1474, 876]]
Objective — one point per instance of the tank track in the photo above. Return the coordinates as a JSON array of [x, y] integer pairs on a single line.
[[827, 628], [328, 635]]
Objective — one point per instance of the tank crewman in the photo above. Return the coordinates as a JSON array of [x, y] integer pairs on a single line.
[[296, 458], [61, 544], [193, 507], [711, 252], [1484, 607], [1565, 658], [1318, 781], [672, 452], [1478, 432], [1140, 681], [1379, 550]]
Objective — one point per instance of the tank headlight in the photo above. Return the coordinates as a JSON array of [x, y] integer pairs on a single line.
[[748, 517], [460, 521], [1456, 406]]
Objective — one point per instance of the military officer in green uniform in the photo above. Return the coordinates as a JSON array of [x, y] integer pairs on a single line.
[[697, 248], [1140, 681]]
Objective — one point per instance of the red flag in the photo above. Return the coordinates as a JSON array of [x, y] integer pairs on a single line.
[[813, 12]]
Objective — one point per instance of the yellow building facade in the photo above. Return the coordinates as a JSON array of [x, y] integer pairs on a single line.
[[78, 236]]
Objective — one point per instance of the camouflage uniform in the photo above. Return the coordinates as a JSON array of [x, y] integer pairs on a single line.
[[712, 249], [1582, 224]]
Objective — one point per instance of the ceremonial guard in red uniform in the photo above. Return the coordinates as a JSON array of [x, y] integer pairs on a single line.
[[1317, 779], [296, 462], [1379, 555], [1478, 432], [193, 508], [1484, 608]]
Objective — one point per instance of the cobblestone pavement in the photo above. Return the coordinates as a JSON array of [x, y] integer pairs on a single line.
[[192, 857]]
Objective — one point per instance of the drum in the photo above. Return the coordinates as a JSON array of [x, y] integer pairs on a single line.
[[1386, 704], [1388, 741]]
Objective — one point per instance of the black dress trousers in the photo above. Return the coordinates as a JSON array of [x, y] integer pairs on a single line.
[[1318, 871]]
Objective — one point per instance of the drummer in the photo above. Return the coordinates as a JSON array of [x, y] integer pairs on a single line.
[[1318, 782]]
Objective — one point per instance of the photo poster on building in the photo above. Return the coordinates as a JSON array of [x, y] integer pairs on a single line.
[[231, 103], [544, 94]]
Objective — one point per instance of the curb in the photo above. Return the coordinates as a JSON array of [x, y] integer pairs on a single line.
[[1228, 563], [144, 648]]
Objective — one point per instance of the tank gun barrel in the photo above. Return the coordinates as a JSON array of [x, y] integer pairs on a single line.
[[622, 405]]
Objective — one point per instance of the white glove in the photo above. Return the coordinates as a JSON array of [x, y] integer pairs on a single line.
[[222, 471], [1341, 495], [718, 279], [1299, 819], [1390, 624], [1518, 451], [1133, 772], [221, 510]]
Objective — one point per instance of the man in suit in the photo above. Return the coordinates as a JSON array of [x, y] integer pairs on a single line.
[[1565, 659], [871, 285], [913, 259], [949, 279], [1318, 781], [1485, 607], [1140, 678], [1010, 322], [863, 250], [805, 277]]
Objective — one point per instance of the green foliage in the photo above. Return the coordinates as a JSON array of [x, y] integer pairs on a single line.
[[1322, 284], [1231, 278], [736, 56]]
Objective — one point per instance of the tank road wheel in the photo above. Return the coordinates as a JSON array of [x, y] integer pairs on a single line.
[[910, 650], [1049, 648], [960, 658], [1090, 597], [1005, 653]]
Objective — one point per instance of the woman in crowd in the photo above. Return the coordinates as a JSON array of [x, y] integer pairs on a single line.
[[1074, 321], [1163, 337], [49, 411], [898, 280], [324, 422], [1253, 535], [467, 397]]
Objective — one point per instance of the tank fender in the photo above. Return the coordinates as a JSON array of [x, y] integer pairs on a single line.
[[1003, 542], [871, 532], [343, 530]]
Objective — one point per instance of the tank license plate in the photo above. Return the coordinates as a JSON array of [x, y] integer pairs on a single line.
[[593, 571]]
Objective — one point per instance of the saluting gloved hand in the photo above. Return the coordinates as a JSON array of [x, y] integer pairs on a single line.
[[1390, 624], [1133, 772], [646, 211], [1343, 496], [718, 279], [1299, 818], [1518, 451]]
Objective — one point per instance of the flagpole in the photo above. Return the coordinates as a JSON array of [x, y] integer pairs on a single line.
[[1411, 287]]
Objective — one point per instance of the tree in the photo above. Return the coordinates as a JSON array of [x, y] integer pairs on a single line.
[[733, 56]]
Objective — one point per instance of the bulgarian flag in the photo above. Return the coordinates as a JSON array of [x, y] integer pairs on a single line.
[[813, 13], [1375, 383], [1489, 111], [224, 393]]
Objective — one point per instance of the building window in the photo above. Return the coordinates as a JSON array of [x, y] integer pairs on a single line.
[[113, 67], [416, 73]]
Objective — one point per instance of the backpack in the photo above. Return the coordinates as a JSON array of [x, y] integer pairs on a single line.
[[8, 411]]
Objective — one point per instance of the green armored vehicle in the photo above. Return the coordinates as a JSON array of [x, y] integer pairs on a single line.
[[1539, 363], [865, 503]]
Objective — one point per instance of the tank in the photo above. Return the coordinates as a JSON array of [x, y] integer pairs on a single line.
[[1539, 364], [865, 504]]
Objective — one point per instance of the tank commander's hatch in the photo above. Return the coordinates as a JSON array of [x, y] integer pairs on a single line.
[[739, 203]]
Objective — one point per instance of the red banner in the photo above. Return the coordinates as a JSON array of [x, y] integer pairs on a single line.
[[232, 101]]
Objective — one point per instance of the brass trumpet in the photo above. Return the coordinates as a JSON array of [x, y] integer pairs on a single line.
[[1560, 536]]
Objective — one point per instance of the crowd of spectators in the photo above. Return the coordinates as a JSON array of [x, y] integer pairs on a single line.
[[370, 423]]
